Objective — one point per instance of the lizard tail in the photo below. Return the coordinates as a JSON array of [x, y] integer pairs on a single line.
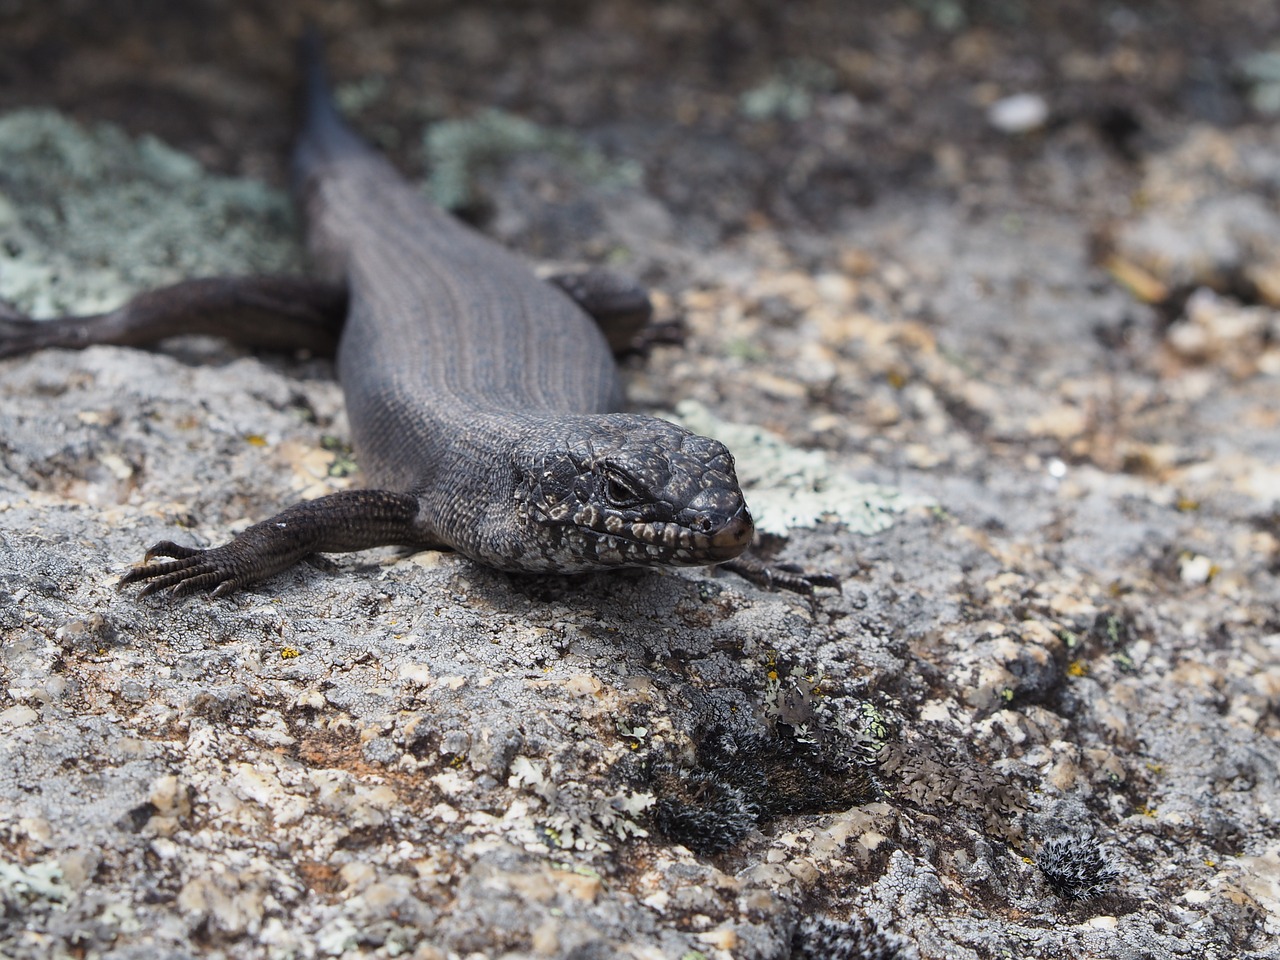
[[325, 136]]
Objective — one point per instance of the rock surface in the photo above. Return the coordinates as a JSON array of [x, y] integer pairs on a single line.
[[1036, 388]]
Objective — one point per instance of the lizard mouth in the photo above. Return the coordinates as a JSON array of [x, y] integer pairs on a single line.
[[705, 540], [733, 537]]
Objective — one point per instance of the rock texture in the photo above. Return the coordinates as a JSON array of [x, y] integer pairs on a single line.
[[1024, 402]]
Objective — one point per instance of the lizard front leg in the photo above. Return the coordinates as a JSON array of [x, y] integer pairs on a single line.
[[338, 523], [619, 306]]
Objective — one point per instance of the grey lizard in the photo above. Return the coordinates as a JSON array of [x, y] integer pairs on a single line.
[[483, 401]]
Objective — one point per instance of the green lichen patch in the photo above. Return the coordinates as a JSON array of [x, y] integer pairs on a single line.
[[22, 885], [90, 216], [456, 149]]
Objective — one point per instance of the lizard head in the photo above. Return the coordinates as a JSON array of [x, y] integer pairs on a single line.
[[623, 490]]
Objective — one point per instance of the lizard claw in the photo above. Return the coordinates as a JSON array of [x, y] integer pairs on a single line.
[[167, 548], [783, 576], [188, 570]]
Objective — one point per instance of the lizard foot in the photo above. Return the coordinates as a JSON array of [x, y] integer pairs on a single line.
[[784, 576], [187, 571]]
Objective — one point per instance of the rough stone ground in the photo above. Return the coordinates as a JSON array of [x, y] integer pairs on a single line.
[[1041, 720]]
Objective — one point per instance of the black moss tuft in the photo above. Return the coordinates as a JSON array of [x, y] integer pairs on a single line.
[[1075, 868], [820, 938], [741, 781], [700, 810], [782, 776]]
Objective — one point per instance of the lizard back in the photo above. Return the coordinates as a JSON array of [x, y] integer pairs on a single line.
[[448, 334]]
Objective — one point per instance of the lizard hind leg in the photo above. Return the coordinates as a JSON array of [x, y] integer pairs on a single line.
[[619, 306], [272, 312]]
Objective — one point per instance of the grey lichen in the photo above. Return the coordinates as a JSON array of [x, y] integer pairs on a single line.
[[950, 777], [578, 816], [90, 216]]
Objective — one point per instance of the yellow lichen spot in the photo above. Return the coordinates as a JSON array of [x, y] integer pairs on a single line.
[[1077, 668], [256, 440], [1187, 505], [772, 674], [1210, 863], [896, 379], [288, 653], [456, 762], [1027, 860], [1155, 768], [1145, 811]]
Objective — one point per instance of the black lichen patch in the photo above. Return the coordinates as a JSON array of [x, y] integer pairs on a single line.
[[782, 776], [701, 811], [1075, 868], [821, 938], [746, 780]]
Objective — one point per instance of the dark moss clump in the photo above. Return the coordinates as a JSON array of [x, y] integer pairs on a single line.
[[783, 776], [700, 810], [1075, 868], [746, 780], [820, 938]]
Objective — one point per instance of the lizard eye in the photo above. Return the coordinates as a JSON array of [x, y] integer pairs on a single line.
[[620, 490]]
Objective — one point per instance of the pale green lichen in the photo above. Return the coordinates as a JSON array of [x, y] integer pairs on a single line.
[[456, 149], [90, 216], [788, 488], [577, 816], [39, 881], [789, 94], [1261, 72]]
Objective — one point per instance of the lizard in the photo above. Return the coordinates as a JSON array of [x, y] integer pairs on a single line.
[[484, 402]]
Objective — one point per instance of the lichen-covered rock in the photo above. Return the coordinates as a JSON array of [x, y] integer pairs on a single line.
[[1040, 717]]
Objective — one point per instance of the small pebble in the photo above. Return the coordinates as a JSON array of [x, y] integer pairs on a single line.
[[1020, 113]]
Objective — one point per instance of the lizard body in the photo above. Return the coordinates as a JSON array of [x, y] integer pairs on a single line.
[[483, 402]]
